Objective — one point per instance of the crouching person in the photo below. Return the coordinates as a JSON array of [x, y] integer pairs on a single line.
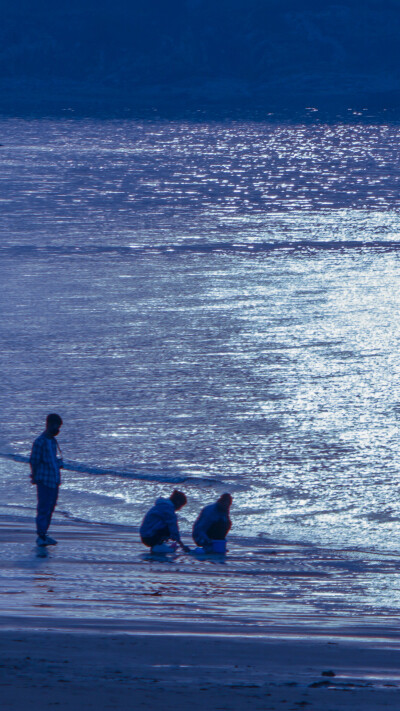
[[161, 522], [213, 524]]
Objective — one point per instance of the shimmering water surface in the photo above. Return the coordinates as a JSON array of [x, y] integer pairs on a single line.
[[215, 304]]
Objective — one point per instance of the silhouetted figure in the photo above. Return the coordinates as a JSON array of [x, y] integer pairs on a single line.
[[45, 473], [161, 522], [213, 522]]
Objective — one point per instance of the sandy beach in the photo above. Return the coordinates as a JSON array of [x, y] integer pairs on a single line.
[[63, 647], [133, 669]]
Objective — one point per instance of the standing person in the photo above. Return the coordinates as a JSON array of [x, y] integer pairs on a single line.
[[45, 473], [213, 522], [161, 522]]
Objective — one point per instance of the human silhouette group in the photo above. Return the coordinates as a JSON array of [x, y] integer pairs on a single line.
[[159, 530]]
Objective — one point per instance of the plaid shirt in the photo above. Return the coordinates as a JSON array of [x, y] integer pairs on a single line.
[[44, 462]]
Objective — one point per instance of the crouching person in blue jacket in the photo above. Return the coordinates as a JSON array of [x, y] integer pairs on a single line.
[[213, 523], [161, 522]]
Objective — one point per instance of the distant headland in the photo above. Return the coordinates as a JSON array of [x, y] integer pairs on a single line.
[[240, 58]]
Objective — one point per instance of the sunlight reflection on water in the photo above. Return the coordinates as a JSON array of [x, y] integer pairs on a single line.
[[253, 338]]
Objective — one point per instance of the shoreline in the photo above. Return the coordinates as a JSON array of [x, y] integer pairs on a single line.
[[223, 101], [70, 634], [100, 574]]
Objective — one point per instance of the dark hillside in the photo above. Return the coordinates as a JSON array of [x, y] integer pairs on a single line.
[[200, 53]]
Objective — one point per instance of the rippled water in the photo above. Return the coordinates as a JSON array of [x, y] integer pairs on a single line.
[[211, 303]]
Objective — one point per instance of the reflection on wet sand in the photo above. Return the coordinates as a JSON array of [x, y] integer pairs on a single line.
[[100, 571]]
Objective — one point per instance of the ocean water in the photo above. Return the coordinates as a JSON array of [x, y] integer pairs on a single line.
[[213, 306]]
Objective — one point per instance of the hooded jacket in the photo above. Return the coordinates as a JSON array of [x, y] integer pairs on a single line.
[[209, 515], [161, 515]]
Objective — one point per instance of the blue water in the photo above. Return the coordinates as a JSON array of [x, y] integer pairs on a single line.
[[209, 304]]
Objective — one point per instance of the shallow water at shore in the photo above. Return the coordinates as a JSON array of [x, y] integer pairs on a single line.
[[103, 572]]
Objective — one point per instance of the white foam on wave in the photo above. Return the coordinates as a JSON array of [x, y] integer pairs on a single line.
[[163, 477]]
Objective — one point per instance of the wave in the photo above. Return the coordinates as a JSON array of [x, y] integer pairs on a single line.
[[162, 477], [243, 248]]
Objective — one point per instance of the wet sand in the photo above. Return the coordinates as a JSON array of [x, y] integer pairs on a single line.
[[63, 647], [50, 668]]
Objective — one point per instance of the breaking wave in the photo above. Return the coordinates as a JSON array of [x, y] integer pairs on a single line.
[[241, 248], [162, 477]]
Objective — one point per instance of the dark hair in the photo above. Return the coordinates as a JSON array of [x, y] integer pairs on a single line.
[[53, 419], [225, 499], [178, 498]]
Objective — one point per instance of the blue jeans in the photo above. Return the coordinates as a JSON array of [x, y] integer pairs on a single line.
[[46, 502]]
